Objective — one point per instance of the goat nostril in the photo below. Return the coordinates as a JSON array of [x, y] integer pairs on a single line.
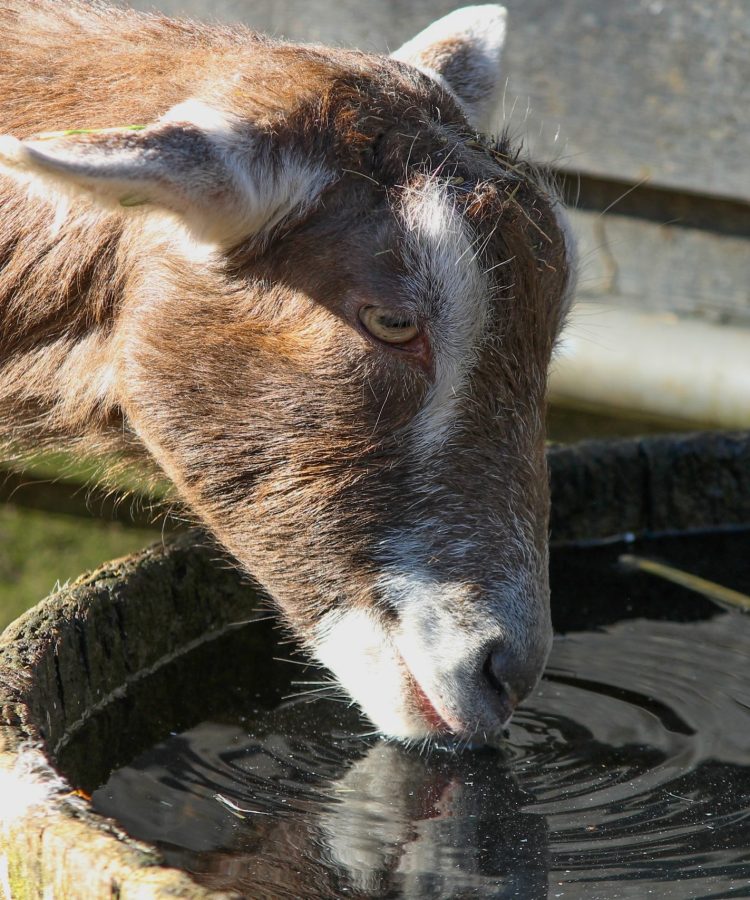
[[505, 678], [493, 668]]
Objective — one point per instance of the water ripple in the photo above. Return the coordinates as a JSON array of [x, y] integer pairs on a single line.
[[627, 774]]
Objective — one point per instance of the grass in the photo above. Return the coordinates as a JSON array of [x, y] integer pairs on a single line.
[[67, 468], [49, 533], [38, 549]]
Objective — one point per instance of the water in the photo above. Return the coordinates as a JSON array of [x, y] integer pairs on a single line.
[[627, 775]]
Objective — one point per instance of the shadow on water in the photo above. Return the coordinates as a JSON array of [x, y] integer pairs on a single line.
[[627, 773]]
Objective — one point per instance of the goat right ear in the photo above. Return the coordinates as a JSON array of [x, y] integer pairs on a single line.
[[462, 51], [224, 180]]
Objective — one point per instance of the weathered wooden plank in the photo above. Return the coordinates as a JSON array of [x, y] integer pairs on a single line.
[[648, 89], [653, 90], [644, 265]]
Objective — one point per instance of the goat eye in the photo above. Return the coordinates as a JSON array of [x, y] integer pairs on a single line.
[[388, 326]]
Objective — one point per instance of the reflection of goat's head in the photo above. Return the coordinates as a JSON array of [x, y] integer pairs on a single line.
[[325, 306], [329, 819]]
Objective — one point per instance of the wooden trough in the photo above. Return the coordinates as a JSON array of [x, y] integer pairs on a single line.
[[111, 664]]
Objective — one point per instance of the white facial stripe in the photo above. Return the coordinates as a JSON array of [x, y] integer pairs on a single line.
[[444, 275], [354, 646]]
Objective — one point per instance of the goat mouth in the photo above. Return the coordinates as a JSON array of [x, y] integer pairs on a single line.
[[424, 706]]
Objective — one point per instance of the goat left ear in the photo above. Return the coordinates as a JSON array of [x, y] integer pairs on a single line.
[[462, 52], [225, 181]]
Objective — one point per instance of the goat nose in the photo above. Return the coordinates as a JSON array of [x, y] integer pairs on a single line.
[[509, 678]]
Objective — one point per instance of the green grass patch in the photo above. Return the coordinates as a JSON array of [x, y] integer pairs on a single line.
[[40, 549], [69, 468]]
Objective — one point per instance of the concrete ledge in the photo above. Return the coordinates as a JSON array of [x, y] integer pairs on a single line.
[[655, 365]]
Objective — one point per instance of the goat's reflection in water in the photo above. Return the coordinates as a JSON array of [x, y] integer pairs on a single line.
[[433, 827], [280, 816]]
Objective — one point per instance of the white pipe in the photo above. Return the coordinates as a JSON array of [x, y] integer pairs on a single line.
[[653, 365]]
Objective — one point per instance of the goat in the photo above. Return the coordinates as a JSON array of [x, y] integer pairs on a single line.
[[304, 285]]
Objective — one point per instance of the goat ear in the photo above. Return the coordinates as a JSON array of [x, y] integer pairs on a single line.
[[462, 52], [224, 180]]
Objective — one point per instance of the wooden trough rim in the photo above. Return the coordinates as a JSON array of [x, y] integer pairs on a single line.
[[51, 680], [50, 839]]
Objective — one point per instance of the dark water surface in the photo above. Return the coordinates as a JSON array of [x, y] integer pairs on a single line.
[[627, 775]]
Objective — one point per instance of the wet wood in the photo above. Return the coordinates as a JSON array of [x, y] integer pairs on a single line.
[[607, 489], [68, 657]]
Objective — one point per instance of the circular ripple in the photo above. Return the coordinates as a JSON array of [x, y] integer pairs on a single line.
[[642, 766]]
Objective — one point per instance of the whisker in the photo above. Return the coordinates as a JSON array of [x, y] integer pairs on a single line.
[[296, 662], [622, 196]]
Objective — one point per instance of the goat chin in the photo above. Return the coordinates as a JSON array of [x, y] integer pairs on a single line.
[[413, 684]]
